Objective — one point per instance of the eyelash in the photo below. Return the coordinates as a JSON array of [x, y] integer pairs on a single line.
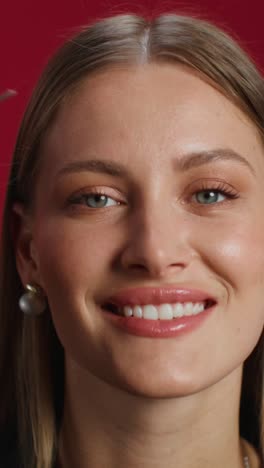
[[76, 200], [216, 187]]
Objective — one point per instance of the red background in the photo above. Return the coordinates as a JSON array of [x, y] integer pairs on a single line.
[[31, 30]]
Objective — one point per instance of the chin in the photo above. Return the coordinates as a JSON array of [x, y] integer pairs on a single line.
[[154, 388]]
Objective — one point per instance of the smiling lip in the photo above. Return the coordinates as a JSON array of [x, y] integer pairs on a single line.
[[158, 328], [156, 296]]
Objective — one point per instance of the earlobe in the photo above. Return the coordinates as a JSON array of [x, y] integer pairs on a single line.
[[23, 243]]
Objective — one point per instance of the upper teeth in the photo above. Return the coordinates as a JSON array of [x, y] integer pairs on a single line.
[[163, 311]]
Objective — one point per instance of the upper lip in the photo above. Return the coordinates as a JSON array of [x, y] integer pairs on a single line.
[[161, 295]]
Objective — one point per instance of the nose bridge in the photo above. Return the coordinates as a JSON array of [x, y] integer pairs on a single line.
[[157, 223], [157, 237]]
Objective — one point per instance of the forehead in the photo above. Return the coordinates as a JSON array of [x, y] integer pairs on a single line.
[[147, 109]]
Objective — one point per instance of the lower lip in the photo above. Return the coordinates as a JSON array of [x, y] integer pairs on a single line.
[[158, 328]]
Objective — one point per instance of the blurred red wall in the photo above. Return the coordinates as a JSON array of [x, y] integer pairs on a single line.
[[31, 30]]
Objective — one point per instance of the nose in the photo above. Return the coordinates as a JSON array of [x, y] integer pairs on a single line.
[[157, 244]]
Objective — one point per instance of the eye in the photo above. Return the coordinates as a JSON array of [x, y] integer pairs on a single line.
[[212, 192], [94, 200], [209, 196]]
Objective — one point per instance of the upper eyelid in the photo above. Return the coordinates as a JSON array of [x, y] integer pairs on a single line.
[[198, 185], [96, 190], [211, 181], [78, 196]]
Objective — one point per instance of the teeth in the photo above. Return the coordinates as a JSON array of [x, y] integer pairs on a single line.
[[178, 310], [163, 311], [150, 312], [189, 308], [137, 311], [127, 311]]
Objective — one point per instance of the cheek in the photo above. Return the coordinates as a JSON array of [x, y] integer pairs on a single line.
[[242, 260], [74, 262], [73, 257], [236, 256], [235, 251]]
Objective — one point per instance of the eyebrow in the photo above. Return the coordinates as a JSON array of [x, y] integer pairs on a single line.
[[182, 164], [196, 159]]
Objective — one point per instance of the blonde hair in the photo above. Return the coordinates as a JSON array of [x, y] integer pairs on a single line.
[[31, 356]]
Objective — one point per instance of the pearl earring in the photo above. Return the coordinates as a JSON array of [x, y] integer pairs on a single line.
[[33, 301]]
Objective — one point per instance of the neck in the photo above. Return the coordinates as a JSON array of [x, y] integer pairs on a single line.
[[106, 426]]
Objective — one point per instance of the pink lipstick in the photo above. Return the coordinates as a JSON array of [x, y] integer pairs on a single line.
[[158, 328]]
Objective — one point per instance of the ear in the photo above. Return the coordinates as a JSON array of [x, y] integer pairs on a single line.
[[23, 241]]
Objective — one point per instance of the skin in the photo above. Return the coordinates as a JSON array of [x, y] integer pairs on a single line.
[[133, 401]]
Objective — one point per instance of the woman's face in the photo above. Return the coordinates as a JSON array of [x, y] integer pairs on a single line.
[[156, 227]]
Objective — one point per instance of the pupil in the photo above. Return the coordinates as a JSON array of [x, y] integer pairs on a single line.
[[207, 196], [98, 199]]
